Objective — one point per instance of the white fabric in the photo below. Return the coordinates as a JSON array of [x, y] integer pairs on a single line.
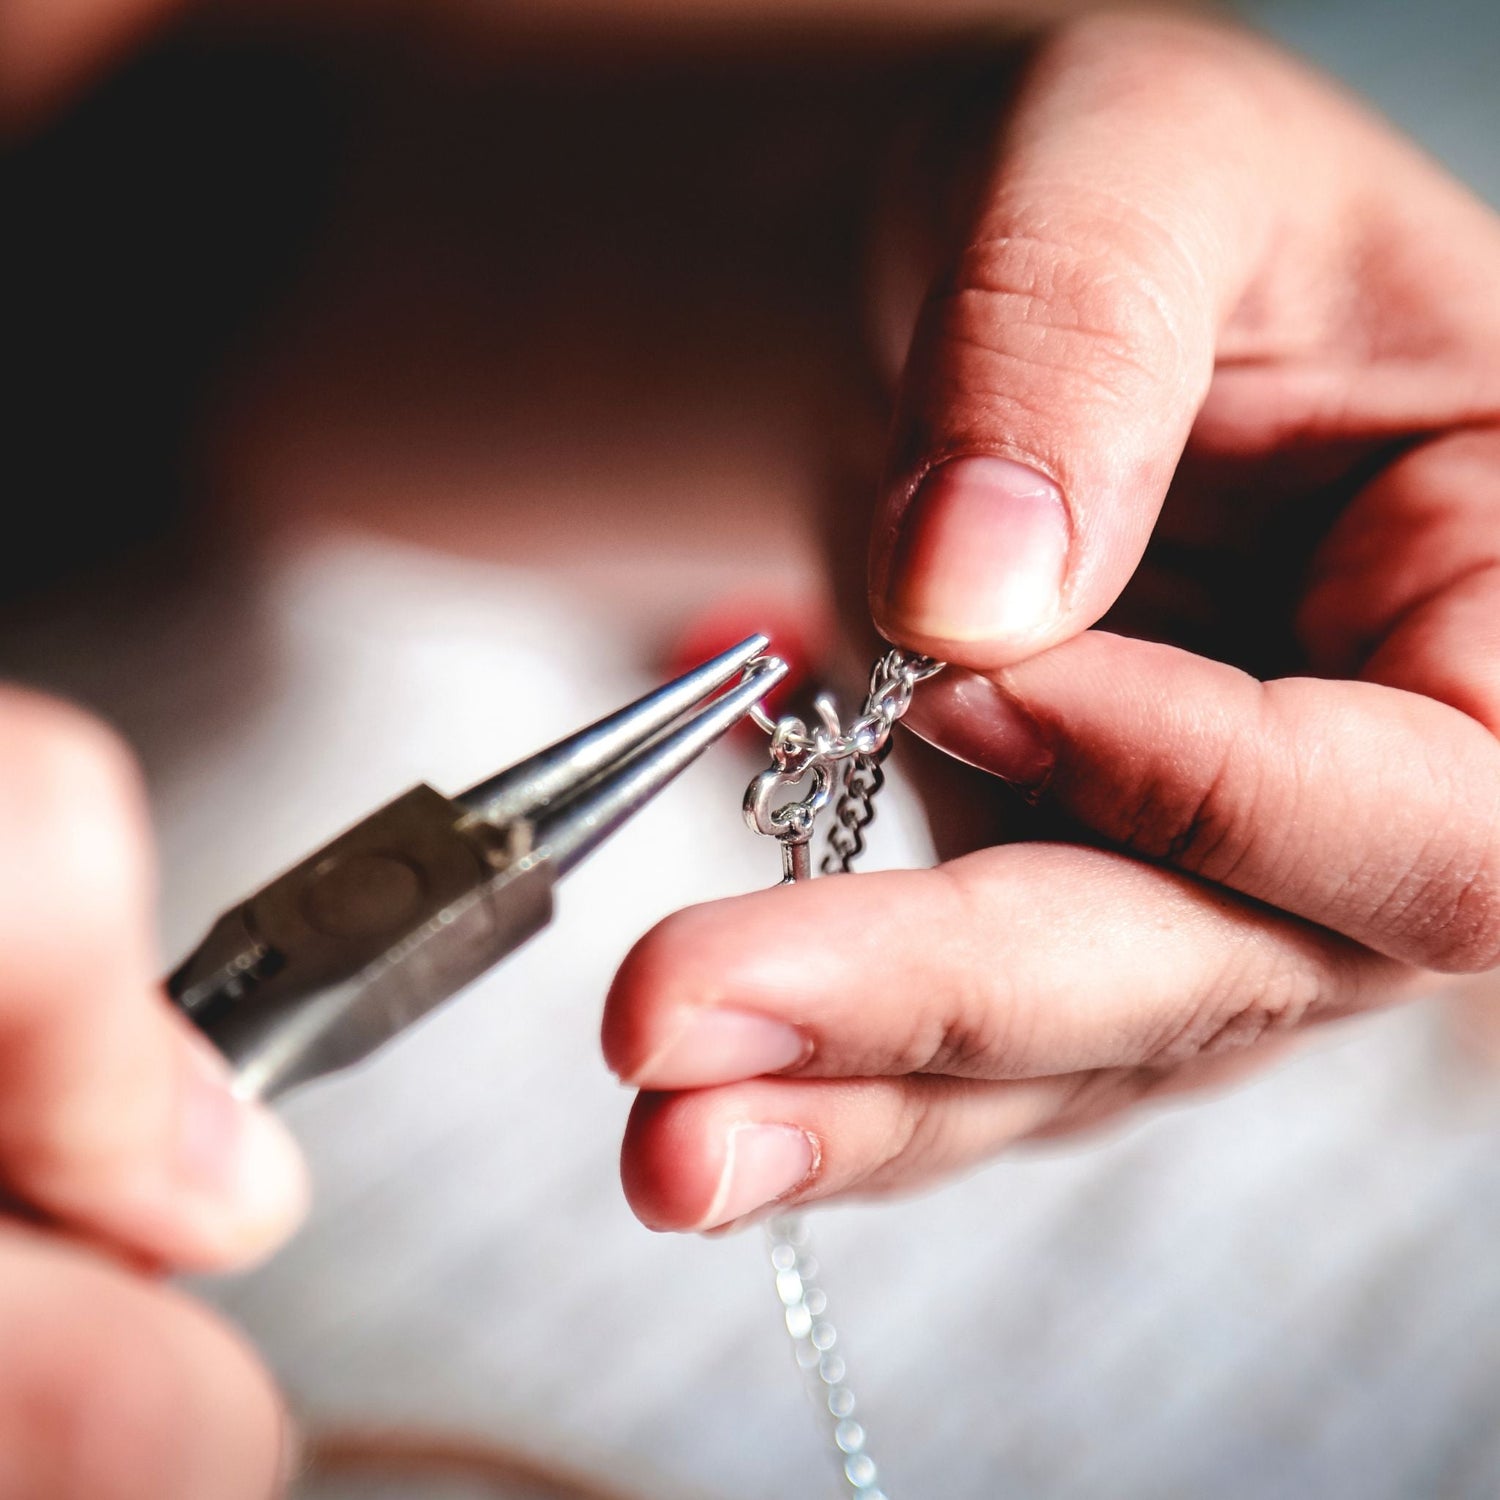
[[1289, 1292]]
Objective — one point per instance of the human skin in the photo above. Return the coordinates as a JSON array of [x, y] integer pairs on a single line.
[[50, 50], [1182, 240], [1202, 300], [122, 1151]]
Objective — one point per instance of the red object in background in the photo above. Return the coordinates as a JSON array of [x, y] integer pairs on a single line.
[[800, 641]]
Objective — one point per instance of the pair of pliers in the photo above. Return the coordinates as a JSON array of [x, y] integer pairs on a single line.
[[361, 939]]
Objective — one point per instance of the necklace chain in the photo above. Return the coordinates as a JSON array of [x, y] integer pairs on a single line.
[[829, 758], [821, 759], [893, 680]]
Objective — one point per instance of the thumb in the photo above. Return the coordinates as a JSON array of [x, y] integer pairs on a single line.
[[1058, 365], [115, 1120]]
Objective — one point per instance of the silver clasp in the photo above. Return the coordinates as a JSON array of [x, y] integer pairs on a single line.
[[796, 757], [832, 760]]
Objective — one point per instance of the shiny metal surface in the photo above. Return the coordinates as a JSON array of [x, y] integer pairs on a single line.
[[571, 831], [852, 758], [833, 761], [526, 789], [335, 957], [361, 939]]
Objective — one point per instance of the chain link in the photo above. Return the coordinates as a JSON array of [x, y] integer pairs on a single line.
[[814, 1345], [833, 759], [893, 680], [854, 812], [851, 759]]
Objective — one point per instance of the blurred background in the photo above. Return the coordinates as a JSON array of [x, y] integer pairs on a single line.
[[394, 387]]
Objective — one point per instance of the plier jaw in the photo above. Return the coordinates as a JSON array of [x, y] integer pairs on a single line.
[[366, 935]]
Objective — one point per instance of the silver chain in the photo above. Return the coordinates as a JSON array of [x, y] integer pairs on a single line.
[[804, 1307], [822, 759], [830, 757], [893, 680]]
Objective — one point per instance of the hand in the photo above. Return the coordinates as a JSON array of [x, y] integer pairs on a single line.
[[1203, 301], [122, 1153], [47, 50]]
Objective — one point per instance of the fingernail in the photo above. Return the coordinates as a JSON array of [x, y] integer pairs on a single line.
[[242, 1174], [974, 720], [980, 554], [720, 1046], [761, 1164]]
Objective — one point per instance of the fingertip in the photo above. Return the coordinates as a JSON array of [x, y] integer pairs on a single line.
[[694, 1001], [237, 1177], [658, 969], [972, 718], [620, 1037], [699, 1162], [668, 1166], [180, 1169], [977, 562]]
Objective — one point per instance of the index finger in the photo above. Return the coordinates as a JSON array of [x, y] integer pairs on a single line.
[[1020, 962], [1368, 809]]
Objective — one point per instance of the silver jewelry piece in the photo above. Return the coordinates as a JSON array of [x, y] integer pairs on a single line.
[[843, 766], [832, 761]]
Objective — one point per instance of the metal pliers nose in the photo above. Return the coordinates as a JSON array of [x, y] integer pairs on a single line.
[[362, 938]]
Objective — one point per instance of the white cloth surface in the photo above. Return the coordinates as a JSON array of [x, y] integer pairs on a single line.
[[1290, 1291]]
